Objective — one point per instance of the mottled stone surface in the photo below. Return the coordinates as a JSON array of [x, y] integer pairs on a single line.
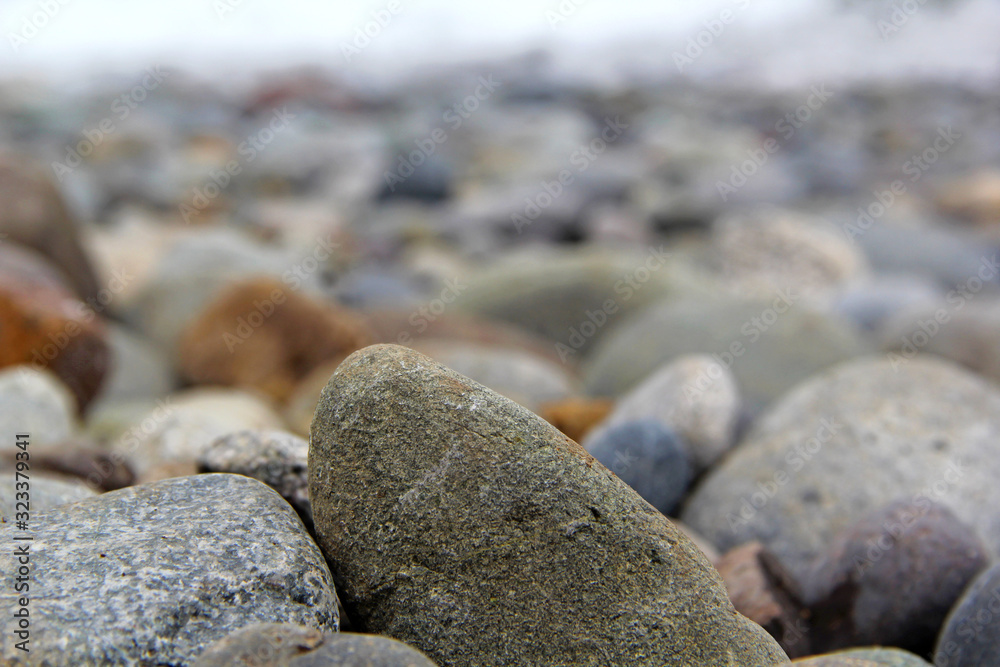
[[695, 396], [36, 403], [277, 458], [891, 578], [463, 524], [971, 633], [286, 645], [164, 570], [847, 441]]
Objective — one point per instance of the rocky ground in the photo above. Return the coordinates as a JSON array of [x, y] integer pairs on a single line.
[[487, 369]]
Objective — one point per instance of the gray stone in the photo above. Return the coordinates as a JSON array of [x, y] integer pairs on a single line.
[[550, 292], [286, 645], [971, 633], [277, 458], [463, 524], [696, 396], [139, 369], [44, 493], [767, 351], [647, 456], [36, 403], [870, 304], [161, 571], [521, 376], [855, 438]]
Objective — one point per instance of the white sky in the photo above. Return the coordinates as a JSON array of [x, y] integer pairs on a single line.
[[783, 39]]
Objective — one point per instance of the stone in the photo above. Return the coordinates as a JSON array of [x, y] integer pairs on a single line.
[[647, 456], [768, 346], [576, 416], [959, 329], [459, 522], [161, 571], [196, 269], [277, 458], [33, 213], [519, 375], [877, 656], [770, 249], [36, 403], [857, 437], [890, 579], [971, 633], [182, 426], [286, 645], [760, 590], [301, 405], [695, 396], [871, 303], [261, 335], [550, 292], [706, 547], [44, 493], [43, 324]]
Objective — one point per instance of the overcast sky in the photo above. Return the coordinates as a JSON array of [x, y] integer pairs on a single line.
[[785, 38]]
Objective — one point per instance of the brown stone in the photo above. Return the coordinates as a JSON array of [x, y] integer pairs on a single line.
[[576, 416], [760, 590], [42, 324], [81, 460], [33, 213], [259, 334]]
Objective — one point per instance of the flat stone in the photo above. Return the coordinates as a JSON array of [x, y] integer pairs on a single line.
[[162, 571], [768, 345], [464, 525], [44, 493]]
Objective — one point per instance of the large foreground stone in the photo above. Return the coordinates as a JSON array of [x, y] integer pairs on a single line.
[[151, 575], [849, 441], [461, 523]]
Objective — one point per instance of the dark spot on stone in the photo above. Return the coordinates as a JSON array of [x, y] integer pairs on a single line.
[[810, 496]]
